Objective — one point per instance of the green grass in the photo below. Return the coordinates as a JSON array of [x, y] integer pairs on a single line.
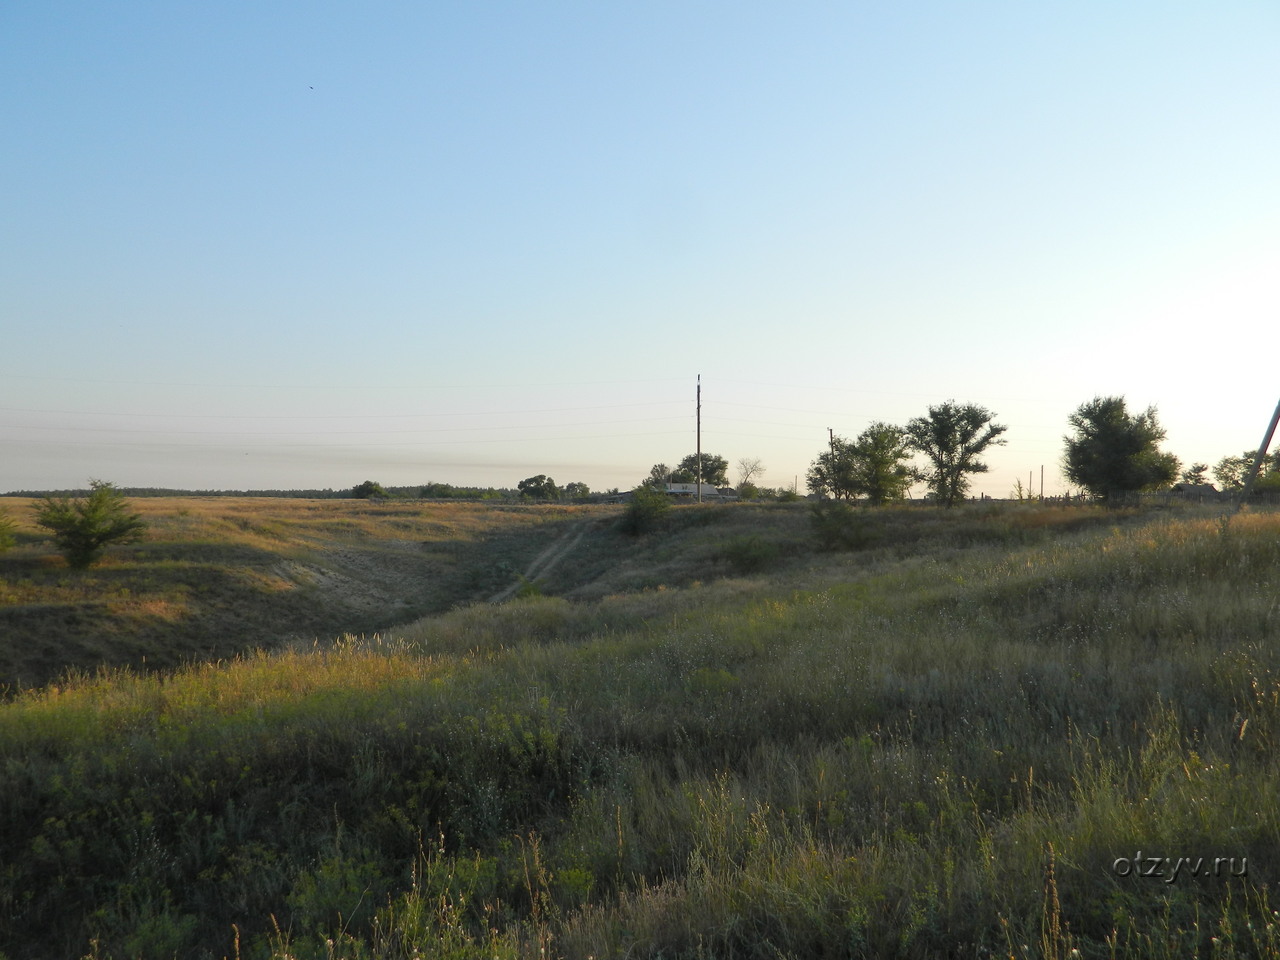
[[938, 744], [221, 576]]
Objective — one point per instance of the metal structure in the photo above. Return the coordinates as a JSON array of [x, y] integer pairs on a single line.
[[1257, 459]]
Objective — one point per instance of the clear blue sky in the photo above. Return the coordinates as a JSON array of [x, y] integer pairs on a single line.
[[304, 245]]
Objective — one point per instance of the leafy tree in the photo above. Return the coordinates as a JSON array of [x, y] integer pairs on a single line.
[[1195, 475], [715, 470], [1231, 472], [659, 474], [872, 466], [577, 491], [880, 470], [368, 490], [953, 436], [540, 487], [83, 528], [832, 474], [646, 510], [1114, 452]]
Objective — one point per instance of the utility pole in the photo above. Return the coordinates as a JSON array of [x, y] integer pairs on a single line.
[[831, 440], [1042, 483], [699, 451], [1257, 460]]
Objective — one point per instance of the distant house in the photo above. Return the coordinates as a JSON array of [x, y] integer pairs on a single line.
[[683, 491], [690, 491], [1200, 492]]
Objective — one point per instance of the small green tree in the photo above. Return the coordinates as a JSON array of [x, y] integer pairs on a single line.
[[832, 474], [952, 437], [715, 470], [368, 490], [1196, 475], [84, 528], [1114, 452], [646, 510], [540, 487], [659, 474], [1232, 471], [872, 466], [577, 491], [881, 472]]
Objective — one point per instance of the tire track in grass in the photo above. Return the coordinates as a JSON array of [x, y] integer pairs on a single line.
[[544, 562]]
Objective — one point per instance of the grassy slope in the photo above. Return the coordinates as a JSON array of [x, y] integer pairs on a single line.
[[936, 745], [221, 576]]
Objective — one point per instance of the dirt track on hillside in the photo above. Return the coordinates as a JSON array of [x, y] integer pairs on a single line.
[[544, 562]]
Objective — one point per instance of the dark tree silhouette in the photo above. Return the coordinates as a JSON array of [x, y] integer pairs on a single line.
[[1113, 452], [952, 437]]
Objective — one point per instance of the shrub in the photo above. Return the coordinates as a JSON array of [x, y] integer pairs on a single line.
[[838, 526], [645, 511], [750, 554], [367, 490], [84, 528]]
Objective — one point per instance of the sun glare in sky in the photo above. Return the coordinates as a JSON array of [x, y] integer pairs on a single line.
[[301, 246]]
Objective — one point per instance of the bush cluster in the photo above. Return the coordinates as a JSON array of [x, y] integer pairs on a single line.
[[645, 511]]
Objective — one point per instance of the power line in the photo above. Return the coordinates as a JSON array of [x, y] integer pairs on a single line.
[[338, 416], [330, 433]]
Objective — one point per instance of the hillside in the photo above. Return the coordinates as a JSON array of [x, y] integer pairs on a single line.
[[967, 733], [220, 576]]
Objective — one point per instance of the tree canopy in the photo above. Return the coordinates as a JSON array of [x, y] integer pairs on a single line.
[[540, 487], [659, 474], [715, 470], [953, 436], [1113, 452], [1232, 472], [368, 489], [577, 491], [872, 466]]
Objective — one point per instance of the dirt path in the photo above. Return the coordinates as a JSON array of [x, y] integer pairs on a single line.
[[544, 562]]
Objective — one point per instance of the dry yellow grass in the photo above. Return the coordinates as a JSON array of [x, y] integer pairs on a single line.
[[216, 576]]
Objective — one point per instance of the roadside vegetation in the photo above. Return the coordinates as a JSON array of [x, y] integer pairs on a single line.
[[949, 738]]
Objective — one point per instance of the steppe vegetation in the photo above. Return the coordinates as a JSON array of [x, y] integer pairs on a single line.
[[219, 576], [937, 737]]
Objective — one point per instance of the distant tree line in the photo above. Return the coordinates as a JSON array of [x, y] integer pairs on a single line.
[[1110, 453]]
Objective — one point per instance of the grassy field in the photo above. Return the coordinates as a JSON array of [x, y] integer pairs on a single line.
[[218, 576], [1002, 731]]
